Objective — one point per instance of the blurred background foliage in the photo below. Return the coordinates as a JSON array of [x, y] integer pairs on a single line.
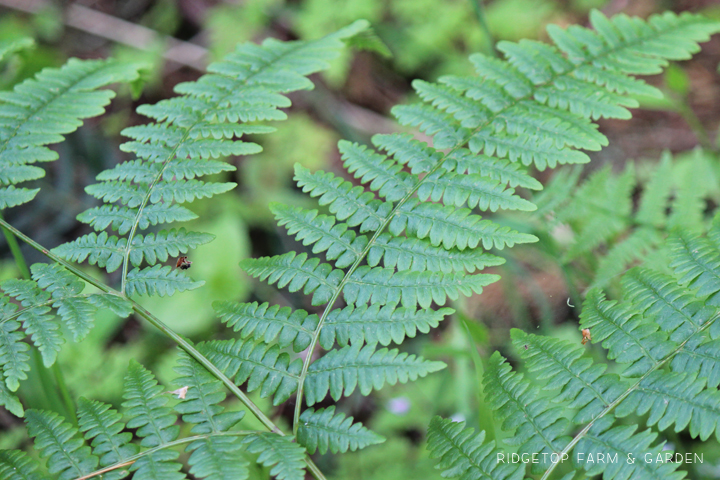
[[659, 173]]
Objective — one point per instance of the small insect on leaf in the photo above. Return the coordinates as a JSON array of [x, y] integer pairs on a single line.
[[585, 336], [183, 263]]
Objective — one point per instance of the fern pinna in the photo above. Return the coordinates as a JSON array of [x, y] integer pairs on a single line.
[[408, 239]]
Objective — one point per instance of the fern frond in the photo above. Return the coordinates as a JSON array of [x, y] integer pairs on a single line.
[[159, 280], [465, 455], [418, 255], [340, 371], [583, 385], [109, 251], [263, 366], [351, 204], [322, 232], [624, 442], [269, 323], [675, 399], [145, 408], [623, 333], [323, 430], [502, 170], [296, 272], [201, 402], [102, 425], [449, 226], [173, 153], [384, 286], [697, 263], [66, 453], [472, 190], [538, 426], [215, 458], [376, 324], [285, 456], [657, 295], [13, 354], [17, 465], [42, 110]]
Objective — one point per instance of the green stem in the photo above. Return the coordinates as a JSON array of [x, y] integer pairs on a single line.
[[479, 11], [16, 253], [688, 114], [130, 460], [64, 392], [184, 344]]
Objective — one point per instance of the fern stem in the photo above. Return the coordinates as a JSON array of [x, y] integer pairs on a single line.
[[16, 253], [64, 392], [130, 460], [624, 395], [184, 344], [479, 11]]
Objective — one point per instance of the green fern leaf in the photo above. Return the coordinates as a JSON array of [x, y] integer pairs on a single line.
[[59, 442], [657, 295], [340, 371], [202, 399], [263, 366], [122, 218], [145, 408], [10, 401], [323, 430], [159, 465], [269, 324], [13, 353], [624, 442], [538, 426], [582, 384], [420, 255], [452, 227], [217, 458], [623, 334], [408, 151], [384, 176], [321, 231], [296, 272], [17, 465], [463, 160], [351, 204], [697, 263], [675, 399], [103, 426], [43, 327], [286, 457], [159, 280], [173, 151], [383, 286], [464, 454], [376, 324], [41, 110], [471, 189], [701, 359], [214, 457]]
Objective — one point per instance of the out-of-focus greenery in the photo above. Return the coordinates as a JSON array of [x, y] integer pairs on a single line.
[[427, 38]]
